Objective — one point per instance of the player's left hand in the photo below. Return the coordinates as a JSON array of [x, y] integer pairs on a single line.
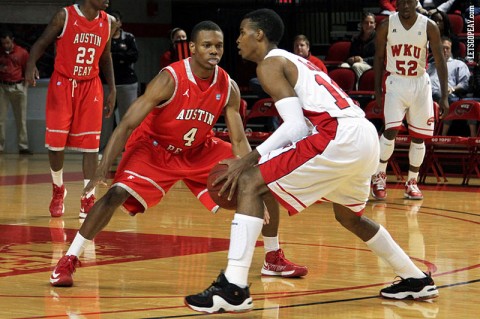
[[235, 169], [444, 107], [110, 103]]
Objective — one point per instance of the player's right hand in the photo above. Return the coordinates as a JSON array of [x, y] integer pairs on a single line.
[[98, 179], [31, 75]]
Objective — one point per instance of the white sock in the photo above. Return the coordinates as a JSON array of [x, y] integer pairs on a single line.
[[386, 248], [271, 244], [78, 245], [57, 177], [386, 150], [243, 237], [92, 192], [411, 175]]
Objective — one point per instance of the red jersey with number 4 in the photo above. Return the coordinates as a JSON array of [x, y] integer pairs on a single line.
[[320, 96], [81, 44], [407, 49], [186, 120]]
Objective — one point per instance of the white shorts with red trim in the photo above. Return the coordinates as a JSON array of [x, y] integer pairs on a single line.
[[409, 97], [333, 164]]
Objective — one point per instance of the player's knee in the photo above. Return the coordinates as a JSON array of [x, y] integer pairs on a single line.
[[250, 182], [116, 196]]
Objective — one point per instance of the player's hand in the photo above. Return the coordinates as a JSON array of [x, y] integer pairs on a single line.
[[444, 107], [31, 75], [266, 216], [110, 103], [99, 179]]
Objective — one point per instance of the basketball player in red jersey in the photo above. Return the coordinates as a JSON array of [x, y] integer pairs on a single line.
[[75, 95], [325, 149], [402, 43], [168, 137]]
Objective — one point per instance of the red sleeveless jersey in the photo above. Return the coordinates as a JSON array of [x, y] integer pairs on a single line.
[[81, 44], [186, 120]]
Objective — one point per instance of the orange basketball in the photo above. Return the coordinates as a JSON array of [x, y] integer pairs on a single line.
[[221, 201]]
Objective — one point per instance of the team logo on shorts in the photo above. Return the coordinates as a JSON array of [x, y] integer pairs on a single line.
[[430, 121], [218, 96]]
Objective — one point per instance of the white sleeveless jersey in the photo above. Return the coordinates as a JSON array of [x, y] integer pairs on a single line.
[[317, 92], [407, 49]]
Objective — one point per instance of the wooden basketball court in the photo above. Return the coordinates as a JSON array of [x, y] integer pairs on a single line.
[[142, 267]]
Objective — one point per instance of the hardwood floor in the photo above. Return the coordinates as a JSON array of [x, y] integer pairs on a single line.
[[142, 267]]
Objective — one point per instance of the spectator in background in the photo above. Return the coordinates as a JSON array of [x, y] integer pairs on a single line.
[[388, 7], [13, 89], [124, 55], [301, 47], [171, 55], [458, 75], [362, 49], [428, 7], [458, 78], [443, 23]]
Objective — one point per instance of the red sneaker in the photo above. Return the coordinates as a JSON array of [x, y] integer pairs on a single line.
[[85, 205], [276, 264], [379, 186], [56, 204], [411, 190], [62, 275]]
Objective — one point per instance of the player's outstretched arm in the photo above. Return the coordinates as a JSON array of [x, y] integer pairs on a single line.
[[234, 123], [160, 89], [53, 29]]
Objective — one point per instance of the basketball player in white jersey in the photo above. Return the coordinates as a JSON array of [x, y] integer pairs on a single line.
[[402, 45], [325, 150]]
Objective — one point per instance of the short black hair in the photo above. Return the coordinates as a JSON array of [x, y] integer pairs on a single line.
[[268, 21], [204, 26], [116, 14], [6, 33]]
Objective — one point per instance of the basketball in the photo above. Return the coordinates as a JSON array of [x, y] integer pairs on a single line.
[[221, 201]]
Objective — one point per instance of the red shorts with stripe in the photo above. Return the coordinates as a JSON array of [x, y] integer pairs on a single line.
[[147, 171], [335, 163], [74, 113]]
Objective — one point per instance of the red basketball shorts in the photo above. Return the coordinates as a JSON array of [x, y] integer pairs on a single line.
[[73, 114], [147, 171]]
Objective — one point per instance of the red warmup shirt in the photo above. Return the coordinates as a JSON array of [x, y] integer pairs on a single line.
[[318, 63], [187, 119], [81, 44], [12, 64]]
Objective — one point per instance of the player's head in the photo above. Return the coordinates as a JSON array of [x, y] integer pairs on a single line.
[[206, 44], [98, 4], [260, 31], [406, 8], [269, 22]]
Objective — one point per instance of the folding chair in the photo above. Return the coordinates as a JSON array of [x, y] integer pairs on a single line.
[[456, 23], [374, 113], [366, 87], [259, 122], [454, 150], [182, 49], [344, 77], [337, 54], [475, 31]]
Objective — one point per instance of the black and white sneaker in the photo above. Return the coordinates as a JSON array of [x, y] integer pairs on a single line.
[[411, 288], [221, 296]]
